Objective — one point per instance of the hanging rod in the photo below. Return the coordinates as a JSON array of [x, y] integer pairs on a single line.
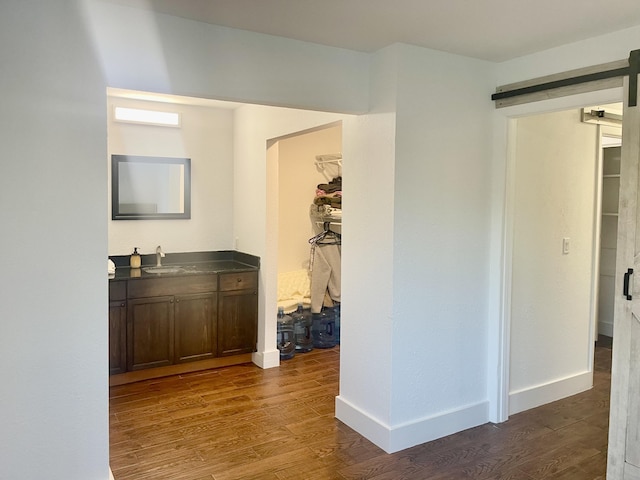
[[330, 223], [321, 160]]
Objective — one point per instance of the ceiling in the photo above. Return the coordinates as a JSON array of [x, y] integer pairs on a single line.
[[494, 30]]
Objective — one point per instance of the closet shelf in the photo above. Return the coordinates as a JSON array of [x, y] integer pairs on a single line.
[[329, 158], [613, 175], [324, 213], [609, 214]]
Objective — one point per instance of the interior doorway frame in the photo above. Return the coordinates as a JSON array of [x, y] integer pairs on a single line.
[[266, 149], [274, 178], [500, 322], [608, 131]]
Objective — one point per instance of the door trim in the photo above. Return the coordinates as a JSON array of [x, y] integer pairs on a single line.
[[498, 370]]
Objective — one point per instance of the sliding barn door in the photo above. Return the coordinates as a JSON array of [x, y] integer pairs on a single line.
[[624, 429]]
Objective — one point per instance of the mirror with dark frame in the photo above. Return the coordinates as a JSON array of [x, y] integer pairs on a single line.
[[150, 187]]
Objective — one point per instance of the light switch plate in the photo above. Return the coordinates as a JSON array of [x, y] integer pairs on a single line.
[[565, 246]]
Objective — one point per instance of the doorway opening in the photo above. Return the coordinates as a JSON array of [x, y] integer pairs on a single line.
[[611, 153], [561, 207], [216, 134], [308, 201], [227, 141]]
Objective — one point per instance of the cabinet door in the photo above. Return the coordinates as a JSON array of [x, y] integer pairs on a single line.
[[195, 327], [150, 330], [117, 337], [237, 322]]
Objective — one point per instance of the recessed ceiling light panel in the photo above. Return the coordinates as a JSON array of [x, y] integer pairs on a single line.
[[148, 117]]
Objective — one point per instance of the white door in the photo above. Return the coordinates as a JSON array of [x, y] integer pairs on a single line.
[[624, 428]]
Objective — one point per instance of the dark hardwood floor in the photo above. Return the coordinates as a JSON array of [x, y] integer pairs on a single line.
[[246, 423]]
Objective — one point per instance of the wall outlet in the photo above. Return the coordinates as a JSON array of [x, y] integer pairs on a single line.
[[565, 246]]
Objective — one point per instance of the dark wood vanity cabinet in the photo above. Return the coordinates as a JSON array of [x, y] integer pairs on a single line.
[[150, 327], [171, 320], [158, 322], [238, 315], [196, 327], [117, 327], [174, 329]]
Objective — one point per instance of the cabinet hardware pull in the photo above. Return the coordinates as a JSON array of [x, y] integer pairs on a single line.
[[625, 288]]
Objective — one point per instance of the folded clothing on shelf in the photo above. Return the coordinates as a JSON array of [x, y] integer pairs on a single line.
[[325, 211], [333, 201], [331, 187]]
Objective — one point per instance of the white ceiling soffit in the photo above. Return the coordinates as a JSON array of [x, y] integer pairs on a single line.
[[171, 99], [494, 30]]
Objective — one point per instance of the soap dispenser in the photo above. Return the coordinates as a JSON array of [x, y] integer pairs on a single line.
[[134, 260]]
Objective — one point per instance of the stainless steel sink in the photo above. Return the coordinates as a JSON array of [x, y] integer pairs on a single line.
[[164, 269]]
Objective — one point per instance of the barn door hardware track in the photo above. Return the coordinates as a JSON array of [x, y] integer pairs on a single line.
[[633, 70]]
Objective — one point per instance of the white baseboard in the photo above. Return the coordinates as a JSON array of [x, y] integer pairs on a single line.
[[605, 328], [394, 439], [367, 426], [267, 359], [532, 397]]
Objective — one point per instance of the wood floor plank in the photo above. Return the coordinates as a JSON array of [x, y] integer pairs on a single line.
[[265, 467], [246, 423]]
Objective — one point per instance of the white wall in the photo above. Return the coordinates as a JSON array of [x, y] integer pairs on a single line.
[[206, 137], [160, 53], [53, 308], [298, 177], [441, 232], [441, 237], [367, 259], [432, 214], [593, 51], [556, 182]]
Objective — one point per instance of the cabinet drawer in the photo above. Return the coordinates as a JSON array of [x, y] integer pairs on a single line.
[[238, 281], [117, 291], [154, 287]]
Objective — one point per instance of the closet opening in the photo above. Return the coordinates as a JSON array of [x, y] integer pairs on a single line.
[[610, 151], [309, 234]]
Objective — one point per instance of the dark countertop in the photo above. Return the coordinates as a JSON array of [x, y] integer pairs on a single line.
[[190, 263]]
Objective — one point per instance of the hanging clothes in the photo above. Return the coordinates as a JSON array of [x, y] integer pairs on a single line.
[[325, 265], [325, 275]]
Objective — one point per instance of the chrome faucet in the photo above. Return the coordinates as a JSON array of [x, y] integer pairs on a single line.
[[159, 255]]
